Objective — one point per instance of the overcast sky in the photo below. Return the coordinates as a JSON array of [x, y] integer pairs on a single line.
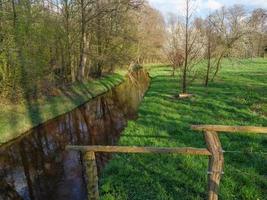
[[203, 6]]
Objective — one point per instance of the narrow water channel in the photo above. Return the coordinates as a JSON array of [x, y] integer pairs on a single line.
[[38, 168]]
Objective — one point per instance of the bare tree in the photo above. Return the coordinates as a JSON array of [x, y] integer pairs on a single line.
[[193, 45], [174, 46], [151, 35], [211, 43], [208, 33], [229, 25], [258, 25]]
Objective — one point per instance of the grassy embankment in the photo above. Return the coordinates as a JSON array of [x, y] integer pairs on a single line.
[[237, 97], [17, 119]]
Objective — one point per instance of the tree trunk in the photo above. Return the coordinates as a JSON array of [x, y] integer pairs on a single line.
[[99, 42], [259, 45], [217, 66], [209, 57], [1, 22], [69, 67], [14, 14], [83, 43], [83, 59], [184, 82]]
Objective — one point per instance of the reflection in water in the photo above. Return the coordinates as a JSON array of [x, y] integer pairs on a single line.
[[38, 167]]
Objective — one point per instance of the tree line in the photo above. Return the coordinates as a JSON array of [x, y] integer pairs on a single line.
[[45, 44], [228, 32]]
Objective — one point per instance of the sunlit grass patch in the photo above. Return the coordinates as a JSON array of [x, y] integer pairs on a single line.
[[237, 97]]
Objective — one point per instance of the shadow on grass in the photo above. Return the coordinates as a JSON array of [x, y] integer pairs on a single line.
[[164, 121]]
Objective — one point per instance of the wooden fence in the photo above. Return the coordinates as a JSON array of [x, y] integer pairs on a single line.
[[214, 151]]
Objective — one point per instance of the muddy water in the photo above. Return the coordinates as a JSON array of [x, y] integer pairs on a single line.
[[38, 167]]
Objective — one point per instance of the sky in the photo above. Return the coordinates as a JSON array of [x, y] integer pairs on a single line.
[[203, 6]]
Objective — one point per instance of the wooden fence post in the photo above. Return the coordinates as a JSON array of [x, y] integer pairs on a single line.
[[91, 175], [216, 160]]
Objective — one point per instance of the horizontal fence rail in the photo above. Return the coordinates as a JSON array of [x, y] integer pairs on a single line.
[[230, 129], [127, 149], [89, 159], [214, 151]]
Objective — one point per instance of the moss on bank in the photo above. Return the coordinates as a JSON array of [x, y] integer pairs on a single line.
[[15, 120]]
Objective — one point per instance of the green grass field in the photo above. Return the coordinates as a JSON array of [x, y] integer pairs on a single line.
[[16, 119], [237, 97]]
